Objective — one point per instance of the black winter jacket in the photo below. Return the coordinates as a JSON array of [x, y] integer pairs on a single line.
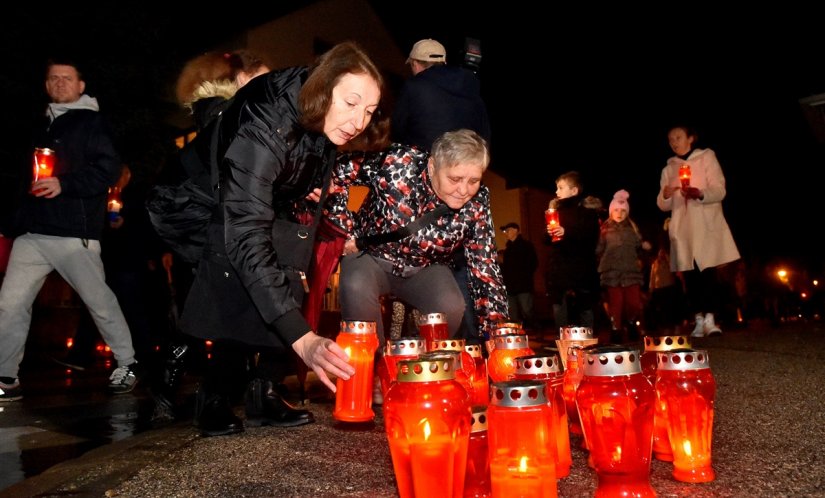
[[86, 165], [243, 288]]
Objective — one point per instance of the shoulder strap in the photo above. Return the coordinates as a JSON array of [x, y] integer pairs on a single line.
[[403, 232]]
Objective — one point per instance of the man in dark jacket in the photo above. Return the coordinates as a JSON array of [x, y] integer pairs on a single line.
[[62, 221], [438, 98], [519, 263]]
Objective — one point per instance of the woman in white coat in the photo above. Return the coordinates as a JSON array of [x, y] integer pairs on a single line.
[[700, 239]]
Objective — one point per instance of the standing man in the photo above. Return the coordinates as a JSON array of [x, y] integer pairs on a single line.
[[437, 99], [518, 266], [62, 221]]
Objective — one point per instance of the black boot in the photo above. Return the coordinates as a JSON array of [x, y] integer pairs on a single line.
[[264, 406], [164, 390], [214, 415]]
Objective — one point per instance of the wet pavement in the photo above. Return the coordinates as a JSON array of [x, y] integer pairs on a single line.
[[767, 437]]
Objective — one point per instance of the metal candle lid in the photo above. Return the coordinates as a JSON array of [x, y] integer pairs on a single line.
[[356, 327], [611, 361], [510, 325], [431, 369], [432, 319], [449, 353], [537, 364], [683, 359], [518, 393], [404, 346], [473, 349], [666, 343], [479, 419], [448, 344], [501, 330], [518, 341], [575, 333]]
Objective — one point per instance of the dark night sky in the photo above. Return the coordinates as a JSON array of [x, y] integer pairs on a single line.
[[593, 90]]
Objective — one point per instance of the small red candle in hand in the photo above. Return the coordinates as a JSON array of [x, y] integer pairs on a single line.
[[43, 163], [551, 217], [684, 175]]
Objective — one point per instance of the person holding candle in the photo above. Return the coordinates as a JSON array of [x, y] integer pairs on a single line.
[[700, 239], [572, 280], [620, 269], [406, 184], [62, 222], [277, 142]]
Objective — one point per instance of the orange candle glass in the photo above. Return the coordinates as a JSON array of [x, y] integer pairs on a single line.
[[427, 418], [615, 404], [433, 327], [684, 175], [481, 381], [43, 163], [551, 218], [477, 477], [353, 397], [404, 348], [462, 375], [547, 368], [522, 451], [501, 363], [686, 387], [653, 346]]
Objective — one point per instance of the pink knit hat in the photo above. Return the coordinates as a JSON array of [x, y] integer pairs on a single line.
[[620, 201]]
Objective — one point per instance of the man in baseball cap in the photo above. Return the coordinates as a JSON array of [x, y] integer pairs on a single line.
[[427, 50]]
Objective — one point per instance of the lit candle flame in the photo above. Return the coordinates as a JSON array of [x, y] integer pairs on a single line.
[[348, 350], [617, 454], [427, 430], [522, 464], [686, 447]]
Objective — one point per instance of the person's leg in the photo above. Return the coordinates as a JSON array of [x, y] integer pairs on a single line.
[[264, 404], [468, 327], [79, 263], [25, 275], [514, 307], [362, 283], [223, 382], [526, 306], [432, 290]]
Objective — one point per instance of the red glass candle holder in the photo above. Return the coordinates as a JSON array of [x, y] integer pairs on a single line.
[[481, 381], [684, 175], [433, 327], [615, 404], [653, 346], [687, 389], [501, 364], [427, 419], [353, 397], [551, 218], [573, 373], [404, 348], [43, 163], [548, 368], [477, 477], [522, 451]]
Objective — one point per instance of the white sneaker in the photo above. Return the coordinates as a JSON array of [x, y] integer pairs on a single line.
[[699, 329], [710, 326]]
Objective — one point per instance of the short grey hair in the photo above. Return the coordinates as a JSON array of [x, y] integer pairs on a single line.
[[460, 146]]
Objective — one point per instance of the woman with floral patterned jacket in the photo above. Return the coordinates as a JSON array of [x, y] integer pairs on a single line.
[[405, 184]]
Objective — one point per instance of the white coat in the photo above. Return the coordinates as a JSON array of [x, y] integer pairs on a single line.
[[698, 230]]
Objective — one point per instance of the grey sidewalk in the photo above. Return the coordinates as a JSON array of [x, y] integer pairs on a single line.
[[768, 441]]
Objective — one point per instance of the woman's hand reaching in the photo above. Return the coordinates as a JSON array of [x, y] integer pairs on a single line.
[[324, 357]]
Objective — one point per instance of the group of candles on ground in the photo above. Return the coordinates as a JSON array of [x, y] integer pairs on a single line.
[[462, 426]]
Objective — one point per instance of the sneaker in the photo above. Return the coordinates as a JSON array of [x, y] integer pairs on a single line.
[[11, 392], [710, 325], [123, 379], [699, 328]]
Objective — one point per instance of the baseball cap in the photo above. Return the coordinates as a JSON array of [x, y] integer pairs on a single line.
[[510, 225], [428, 50]]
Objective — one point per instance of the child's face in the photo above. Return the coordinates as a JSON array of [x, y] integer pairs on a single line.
[[618, 215], [564, 190]]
